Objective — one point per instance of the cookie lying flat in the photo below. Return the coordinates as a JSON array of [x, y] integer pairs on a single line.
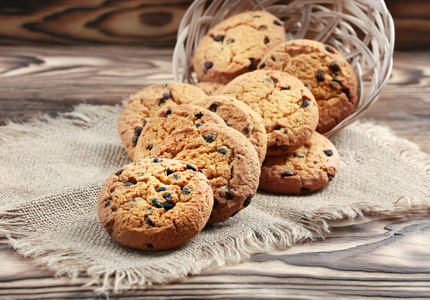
[[166, 121], [225, 156], [155, 204], [241, 117], [210, 88], [236, 45], [328, 75], [309, 168], [145, 103], [287, 107]]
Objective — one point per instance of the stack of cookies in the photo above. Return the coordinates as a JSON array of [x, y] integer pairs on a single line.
[[255, 120]]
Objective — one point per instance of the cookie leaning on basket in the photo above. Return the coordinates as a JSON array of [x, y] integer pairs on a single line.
[[145, 103], [155, 204]]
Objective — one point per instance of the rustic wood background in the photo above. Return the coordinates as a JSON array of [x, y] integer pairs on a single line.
[[149, 22]]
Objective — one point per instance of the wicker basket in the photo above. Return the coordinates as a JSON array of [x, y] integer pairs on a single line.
[[362, 30]]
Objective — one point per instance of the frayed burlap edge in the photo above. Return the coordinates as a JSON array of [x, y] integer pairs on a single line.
[[311, 226]]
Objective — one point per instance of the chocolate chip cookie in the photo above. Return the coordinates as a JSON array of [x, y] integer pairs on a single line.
[[287, 107], [166, 121], [241, 117], [236, 45], [326, 73], [225, 156], [307, 169], [155, 204], [145, 103]]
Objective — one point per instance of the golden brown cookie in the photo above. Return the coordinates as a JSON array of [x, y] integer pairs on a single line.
[[241, 117], [225, 156], [145, 103], [324, 71], [288, 108], [236, 45], [166, 121], [155, 204], [307, 169], [210, 88]]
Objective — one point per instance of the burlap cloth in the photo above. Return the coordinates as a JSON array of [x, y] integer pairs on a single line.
[[52, 172]]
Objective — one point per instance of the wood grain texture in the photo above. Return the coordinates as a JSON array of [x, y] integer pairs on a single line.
[[367, 257], [149, 23]]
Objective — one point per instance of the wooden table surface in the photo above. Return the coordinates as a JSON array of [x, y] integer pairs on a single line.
[[366, 257]]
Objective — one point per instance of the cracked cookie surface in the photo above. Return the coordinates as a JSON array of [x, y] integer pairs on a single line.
[[324, 70], [155, 204], [236, 45], [309, 168], [166, 121], [147, 102], [287, 107], [241, 117], [226, 158]]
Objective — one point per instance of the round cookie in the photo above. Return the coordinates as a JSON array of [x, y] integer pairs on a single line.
[[155, 204], [236, 45], [309, 168], [326, 73], [287, 107], [145, 103], [225, 156], [210, 88], [166, 121], [241, 117]]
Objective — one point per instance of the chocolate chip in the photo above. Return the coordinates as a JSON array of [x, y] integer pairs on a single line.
[[222, 150], [268, 79], [150, 147], [247, 201], [168, 111], [273, 147], [334, 66], [176, 176], [287, 173], [156, 203], [256, 16], [266, 40], [277, 127], [207, 66], [315, 162], [168, 205], [262, 28], [329, 49], [285, 88], [213, 107], [114, 210], [108, 201], [296, 155], [228, 194], [307, 85], [218, 38], [246, 129], [336, 82], [253, 65], [162, 189], [138, 130], [233, 214], [109, 231], [149, 221], [216, 202], [273, 58], [156, 159], [262, 65], [166, 96], [186, 191], [209, 138], [304, 190], [199, 115], [134, 139], [112, 190], [134, 200], [200, 170], [346, 92], [305, 104], [167, 195], [284, 147], [285, 131], [276, 22], [328, 152], [149, 246], [198, 125], [130, 183], [119, 172], [229, 41], [320, 76], [168, 172], [330, 177], [191, 167]]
